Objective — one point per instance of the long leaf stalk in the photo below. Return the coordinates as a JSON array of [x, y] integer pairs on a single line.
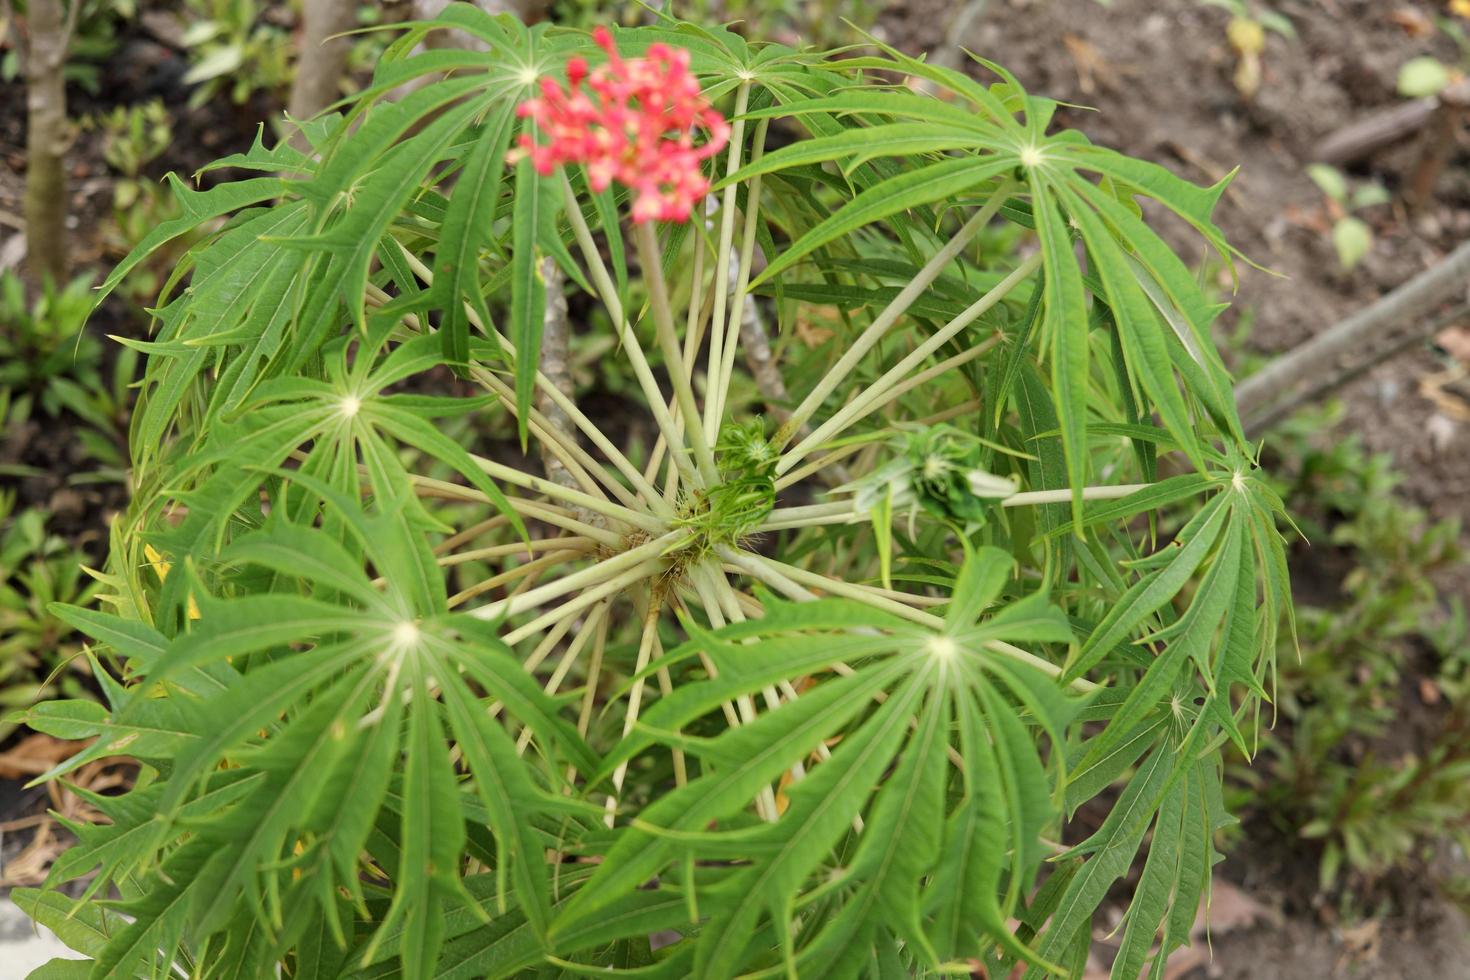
[[896, 375], [723, 252], [596, 574], [663, 318], [635, 695], [628, 337], [719, 386], [598, 505], [842, 512], [636, 575], [543, 384], [707, 584], [590, 474], [516, 548], [895, 309], [591, 626], [516, 574], [534, 509], [863, 406]]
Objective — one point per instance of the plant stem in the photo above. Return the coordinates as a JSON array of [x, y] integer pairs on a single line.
[[49, 31], [611, 587], [894, 375], [842, 512], [533, 567], [626, 334], [719, 383], [576, 498], [886, 319], [722, 254], [543, 383], [543, 428], [322, 61], [663, 318], [599, 572], [515, 548], [635, 696]]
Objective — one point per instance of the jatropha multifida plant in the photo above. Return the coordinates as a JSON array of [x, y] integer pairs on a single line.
[[922, 519]]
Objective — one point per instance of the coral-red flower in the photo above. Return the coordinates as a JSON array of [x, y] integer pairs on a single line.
[[632, 121]]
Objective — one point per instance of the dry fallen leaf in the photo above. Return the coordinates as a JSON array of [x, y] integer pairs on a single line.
[[1412, 22], [1441, 388], [35, 754], [1455, 342], [809, 333], [1360, 944]]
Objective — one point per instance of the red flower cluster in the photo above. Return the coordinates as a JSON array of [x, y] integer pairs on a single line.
[[636, 125]]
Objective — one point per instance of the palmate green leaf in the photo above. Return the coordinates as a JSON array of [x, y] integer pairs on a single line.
[[131, 840], [857, 146], [878, 884], [466, 230], [153, 732], [765, 748], [1155, 497], [322, 774], [1139, 327], [903, 841], [1184, 877], [1156, 887], [84, 927], [910, 189], [233, 271], [160, 915], [865, 103], [266, 323], [534, 209], [1155, 589], [251, 840], [965, 893], [198, 207], [374, 202], [822, 806], [508, 795], [433, 836], [1066, 325], [129, 638], [1112, 849], [982, 576]]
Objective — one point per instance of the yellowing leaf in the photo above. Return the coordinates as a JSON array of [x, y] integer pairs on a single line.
[[161, 567]]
